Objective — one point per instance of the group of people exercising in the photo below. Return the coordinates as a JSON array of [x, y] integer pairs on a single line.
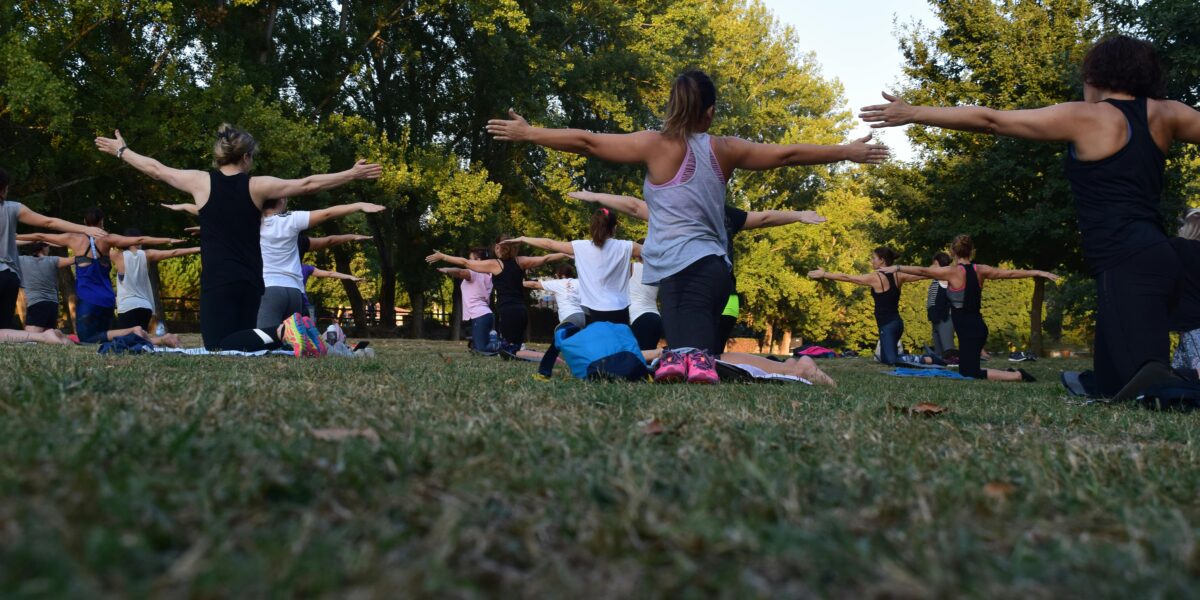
[[1117, 139]]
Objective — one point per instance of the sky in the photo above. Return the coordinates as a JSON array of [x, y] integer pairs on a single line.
[[855, 43]]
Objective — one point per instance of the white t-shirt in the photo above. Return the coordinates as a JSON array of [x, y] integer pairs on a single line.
[[603, 273], [643, 298], [280, 255], [566, 296]]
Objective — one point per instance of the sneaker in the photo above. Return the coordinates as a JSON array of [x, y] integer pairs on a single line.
[[1022, 357], [540, 377], [671, 367], [314, 336], [701, 368], [294, 335]]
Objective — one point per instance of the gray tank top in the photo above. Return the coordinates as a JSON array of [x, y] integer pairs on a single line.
[[133, 288], [687, 215], [39, 277], [9, 259]]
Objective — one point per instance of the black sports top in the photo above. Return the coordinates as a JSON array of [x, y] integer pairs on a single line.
[[1117, 198], [887, 302], [509, 284], [972, 293], [229, 224]]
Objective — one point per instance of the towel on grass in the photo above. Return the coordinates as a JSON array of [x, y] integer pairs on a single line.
[[927, 373]]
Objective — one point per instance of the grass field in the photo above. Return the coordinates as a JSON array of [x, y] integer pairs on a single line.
[[215, 477]]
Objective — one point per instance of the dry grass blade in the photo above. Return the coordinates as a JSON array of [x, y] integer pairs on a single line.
[[999, 490], [651, 426], [339, 435]]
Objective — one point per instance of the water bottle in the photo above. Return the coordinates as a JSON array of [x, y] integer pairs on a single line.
[[493, 341], [160, 330]]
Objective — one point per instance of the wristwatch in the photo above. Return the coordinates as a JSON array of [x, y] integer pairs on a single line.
[[121, 151]]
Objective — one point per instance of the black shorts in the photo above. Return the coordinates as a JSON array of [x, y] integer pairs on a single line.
[[42, 314], [136, 317]]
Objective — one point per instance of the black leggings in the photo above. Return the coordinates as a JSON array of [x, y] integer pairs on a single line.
[[725, 327], [137, 317], [1134, 301], [10, 286], [620, 317], [226, 309], [972, 336], [513, 318], [648, 329], [251, 340], [692, 302]]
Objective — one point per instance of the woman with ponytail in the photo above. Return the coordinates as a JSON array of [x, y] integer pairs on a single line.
[[230, 203], [885, 291], [686, 175], [966, 295]]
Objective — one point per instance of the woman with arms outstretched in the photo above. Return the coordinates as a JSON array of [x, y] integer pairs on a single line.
[[965, 280], [686, 175], [1117, 139], [885, 291], [508, 279], [229, 203]]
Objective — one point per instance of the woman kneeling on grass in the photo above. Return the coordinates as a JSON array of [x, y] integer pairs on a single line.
[[885, 291], [687, 172], [966, 295]]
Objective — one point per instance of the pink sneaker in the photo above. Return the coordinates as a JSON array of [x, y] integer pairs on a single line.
[[671, 367], [701, 368]]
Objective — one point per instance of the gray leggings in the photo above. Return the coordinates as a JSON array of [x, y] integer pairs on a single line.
[[278, 303]]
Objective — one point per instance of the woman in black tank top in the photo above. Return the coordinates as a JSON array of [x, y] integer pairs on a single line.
[[508, 280], [230, 202], [885, 290], [1117, 138], [966, 299]]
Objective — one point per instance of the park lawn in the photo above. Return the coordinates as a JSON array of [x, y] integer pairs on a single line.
[[205, 476]]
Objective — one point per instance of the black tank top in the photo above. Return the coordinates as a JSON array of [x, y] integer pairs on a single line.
[[509, 284], [1117, 198], [229, 224], [972, 293], [887, 302]]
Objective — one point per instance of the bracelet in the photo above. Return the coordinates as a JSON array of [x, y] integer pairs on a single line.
[[121, 151]]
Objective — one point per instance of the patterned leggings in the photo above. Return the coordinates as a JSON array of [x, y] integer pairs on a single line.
[[1187, 354]]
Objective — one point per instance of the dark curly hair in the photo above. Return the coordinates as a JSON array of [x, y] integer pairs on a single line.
[[1124, 64], [887, 255]]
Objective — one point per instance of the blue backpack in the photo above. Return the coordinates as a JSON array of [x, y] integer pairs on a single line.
[[601, 351]]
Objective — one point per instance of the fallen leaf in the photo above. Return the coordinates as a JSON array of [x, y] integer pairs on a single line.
[[338, 435], [924, 409], [999, 490], [652, 426]]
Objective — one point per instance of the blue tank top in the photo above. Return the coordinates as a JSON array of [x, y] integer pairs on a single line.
[[92, 282]]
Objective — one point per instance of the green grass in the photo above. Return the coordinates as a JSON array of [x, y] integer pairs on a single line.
[[182, 476]]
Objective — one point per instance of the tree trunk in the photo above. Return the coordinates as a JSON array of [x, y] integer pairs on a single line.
[[417, 297], [66, 284], [387, 283], [768, 338], [1035, 316], [341, 262], [156, 292], [456, 312], [785, 343]]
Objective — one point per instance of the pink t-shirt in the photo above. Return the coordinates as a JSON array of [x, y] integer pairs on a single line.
[[475, 294]]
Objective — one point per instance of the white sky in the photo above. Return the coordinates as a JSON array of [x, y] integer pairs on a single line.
[[855, 43]]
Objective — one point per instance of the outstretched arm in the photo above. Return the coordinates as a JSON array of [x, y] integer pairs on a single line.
[[263, 188], [533, 285], [741, 154], [189, 208], [867, 280], [34, 219], [57, 239], [122, 241], [533, 262], [317, 217], [986, 272], [1065, 122], [945, 273], [335, 275], [543, 243], [157, 255], [65, 261], [634, 207], [456, 273], [626, 148], [185, 180], [774, 218], [1186, 122], [479, 266], [330, 241]]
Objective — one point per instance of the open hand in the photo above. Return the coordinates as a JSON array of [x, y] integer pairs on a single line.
[[583, 195], [893, 114], [369, 208], [365, 170], [1050, 276], [95, 232], [816, 274], [110, 145], [513, 129], [435, 257], [889, 269], [811, 217], [862, 152], [361, 238]]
